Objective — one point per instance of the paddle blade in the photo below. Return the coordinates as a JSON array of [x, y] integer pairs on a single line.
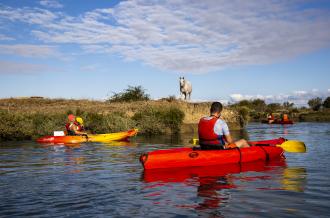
[[293, 146]]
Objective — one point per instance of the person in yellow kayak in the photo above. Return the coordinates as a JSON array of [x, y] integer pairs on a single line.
[[80, 122], [213, 131], [74, 127]]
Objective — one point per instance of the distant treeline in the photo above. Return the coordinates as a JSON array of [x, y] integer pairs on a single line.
[[257, 110]]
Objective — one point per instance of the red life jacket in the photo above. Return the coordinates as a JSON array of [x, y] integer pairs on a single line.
[[206, 133], [68, 129]]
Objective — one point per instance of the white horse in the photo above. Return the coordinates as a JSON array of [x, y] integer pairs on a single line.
[[185, 88]]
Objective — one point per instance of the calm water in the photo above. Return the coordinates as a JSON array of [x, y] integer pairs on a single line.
[[103, 180]]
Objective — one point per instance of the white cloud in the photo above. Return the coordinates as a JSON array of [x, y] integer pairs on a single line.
[[51, 4], [236, 97], [27, 50], [11, 67], [5, 38], [300, 92], [187, 36]]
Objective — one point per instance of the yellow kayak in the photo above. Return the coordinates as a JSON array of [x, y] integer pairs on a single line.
[[117, 136]]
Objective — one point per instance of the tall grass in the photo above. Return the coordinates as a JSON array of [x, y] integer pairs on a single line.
[[159, 120], [149, 120]]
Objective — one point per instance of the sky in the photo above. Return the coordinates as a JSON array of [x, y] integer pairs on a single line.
[[276, 50]]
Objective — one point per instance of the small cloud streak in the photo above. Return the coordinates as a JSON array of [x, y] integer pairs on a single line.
[[27, 50], [11, 67], [51, 4], [5, 38]]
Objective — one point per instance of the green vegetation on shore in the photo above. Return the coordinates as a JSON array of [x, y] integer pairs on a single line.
[[19, 125], [257, 110], [29, 118], [25, 119]]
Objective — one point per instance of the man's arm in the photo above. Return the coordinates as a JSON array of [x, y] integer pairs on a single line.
[[229, 138]]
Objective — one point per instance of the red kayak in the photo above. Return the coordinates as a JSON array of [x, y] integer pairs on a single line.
[[193, 157]]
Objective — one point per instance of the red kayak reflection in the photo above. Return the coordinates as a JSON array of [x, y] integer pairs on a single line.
[[183, 174], [212, 181]]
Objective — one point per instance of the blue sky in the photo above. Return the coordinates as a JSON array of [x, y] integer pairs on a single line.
[[229, 50]]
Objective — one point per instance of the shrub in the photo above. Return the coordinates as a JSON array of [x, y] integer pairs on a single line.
[[132, 93], [258, 105], [105, 123], [157, 120], [244, 115], [326, 103], [315, 103], [173, 118], [272, 107]]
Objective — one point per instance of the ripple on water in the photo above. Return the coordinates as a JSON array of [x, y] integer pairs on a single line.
[[107, 180]]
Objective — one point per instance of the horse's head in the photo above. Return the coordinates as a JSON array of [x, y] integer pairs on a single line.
[[182, 81]]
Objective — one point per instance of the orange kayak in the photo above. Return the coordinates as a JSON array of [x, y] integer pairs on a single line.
[[193, 157], [118, 136]]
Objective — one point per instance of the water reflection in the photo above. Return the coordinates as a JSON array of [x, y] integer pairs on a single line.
[[294, 179], [212, 181]]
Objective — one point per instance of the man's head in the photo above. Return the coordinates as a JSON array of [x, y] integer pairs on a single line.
[[216, 108]]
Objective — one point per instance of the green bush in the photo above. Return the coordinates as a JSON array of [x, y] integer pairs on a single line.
[[132, 93], [19, 126], [173, 118], [105, 123], [326, 103], [157, 120], [244, 113], [315, 103]]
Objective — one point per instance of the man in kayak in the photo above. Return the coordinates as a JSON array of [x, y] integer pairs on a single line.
[[214, 133], [73, 127]]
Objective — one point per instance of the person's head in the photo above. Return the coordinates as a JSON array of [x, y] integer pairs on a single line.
[[80, 120], [71, 118], [216, 108]]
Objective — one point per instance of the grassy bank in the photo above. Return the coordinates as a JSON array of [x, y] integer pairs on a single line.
[[315, 116], [31, 118]]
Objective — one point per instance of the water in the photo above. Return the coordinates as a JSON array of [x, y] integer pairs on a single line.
[[107, 180]]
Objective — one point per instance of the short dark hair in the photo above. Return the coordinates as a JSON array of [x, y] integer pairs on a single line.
[[216, 107]]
